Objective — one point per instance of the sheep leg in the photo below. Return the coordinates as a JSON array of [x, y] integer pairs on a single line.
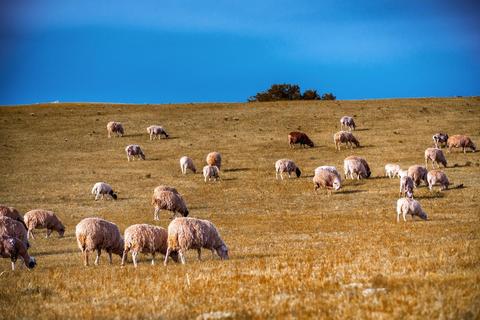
[[405, 216], [134, 258], [85, 258], [199, 251], [153, 258], [124, 257], [49, 232], [213, 253], [97, 259], [110, 257], [156, 214], [30, 232], [169, 250], [182, 256]]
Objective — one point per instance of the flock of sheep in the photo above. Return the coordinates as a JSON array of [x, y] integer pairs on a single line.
[[185, 233]]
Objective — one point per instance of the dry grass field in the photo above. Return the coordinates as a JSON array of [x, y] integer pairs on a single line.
[[294, 253]]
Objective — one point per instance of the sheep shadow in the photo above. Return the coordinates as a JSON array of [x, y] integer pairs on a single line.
[[361, 129], [228, 179], [51, 253], [350, 191], [237, 170], [433, 195]]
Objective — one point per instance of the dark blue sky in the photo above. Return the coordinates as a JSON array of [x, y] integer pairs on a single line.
[[202, 51]]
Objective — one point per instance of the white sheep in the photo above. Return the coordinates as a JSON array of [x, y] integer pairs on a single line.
[[435, 177], [347, 122], [97, 234], [356, 165], [100, 189], [116, 128], [211, 172], [168, 200], [409, 206], [187, 163], [406, 186], [392, 170], [327, 178], [156, 131], [436, 156], [145, 238], [214, 159], [345, 137], [43, 219], [288, 166], [14, 248], [191, 233], [14, 229], [418, 174], [134, 151]]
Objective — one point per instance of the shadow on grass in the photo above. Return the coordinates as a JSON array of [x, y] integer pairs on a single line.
[[236, 170], [361, 129], [433, 195], [55, 252], [349, 191], [228, 179]]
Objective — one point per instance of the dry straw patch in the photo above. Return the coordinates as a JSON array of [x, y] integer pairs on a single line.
[[294, 253]]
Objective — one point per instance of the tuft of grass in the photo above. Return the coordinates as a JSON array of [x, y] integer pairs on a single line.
[[294, 252]]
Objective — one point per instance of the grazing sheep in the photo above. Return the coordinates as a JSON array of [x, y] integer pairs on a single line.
[[11, 247], [327, 179], [288, 166], [406, 187], [409, 206], [12, 213], [145, 238], [461, 141], [187, 163], [100, 189], [97, 234], [356, 165], [168, 200], [440, 139], [40, 219], [345, 137], [348, 122], [392, 170], [214, 159], [14, 229], [115, 128], [190, 233], [435, 177], [300, 138], [211, 172], [156, 132], [436, 156], [134, 151], [418, 173]]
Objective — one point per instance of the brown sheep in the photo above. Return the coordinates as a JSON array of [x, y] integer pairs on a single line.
[[461, 141], [436, 156], [214, 159], [12, 213], [14, 229], [301, 138], [168, 200], [345, 137], [40, 219], [13, 248]]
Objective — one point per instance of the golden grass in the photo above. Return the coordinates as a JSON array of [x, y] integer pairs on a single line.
[[294, 253]]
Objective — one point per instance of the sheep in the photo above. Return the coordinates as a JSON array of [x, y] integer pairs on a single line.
[[348, 122], [437, 177], [356, 165], [418, 173], [168, 200], [11, 247], [332, 169], [12, 213], [100, 189], [300, 138], [134, 151], [345, 137], [211, 172], [40, 219], [214, 159], [409, 206], [436, 156], [187, 163], [406, 187], [461, 141], [440, 139], [15, 229], [392, 170], [145, 238], [327, 179], [97, 234], [116, 128], [288, 166], [156, 131], [191, 233]]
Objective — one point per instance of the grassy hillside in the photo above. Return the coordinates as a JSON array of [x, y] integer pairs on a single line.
[[294, 252]]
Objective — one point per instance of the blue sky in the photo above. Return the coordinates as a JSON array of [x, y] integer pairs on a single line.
[[208, 51]]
